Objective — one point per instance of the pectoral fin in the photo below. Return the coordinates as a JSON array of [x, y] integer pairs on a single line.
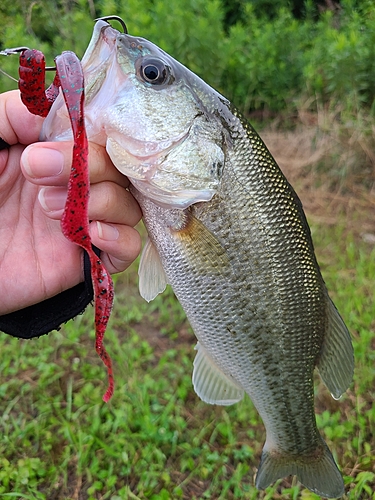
[[211, 384], [336, 360], [202, 247], [152, 278]]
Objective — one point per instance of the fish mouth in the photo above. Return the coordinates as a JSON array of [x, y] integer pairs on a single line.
[[104, 45], [98, 51], [144, 156]]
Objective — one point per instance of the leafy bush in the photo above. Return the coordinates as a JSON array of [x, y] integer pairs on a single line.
[[259, 58], [340, 64], [265, 62]]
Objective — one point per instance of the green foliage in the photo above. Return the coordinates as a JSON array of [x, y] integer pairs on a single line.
[[341, 63], [257, 53], [155, 439], [265, 62]]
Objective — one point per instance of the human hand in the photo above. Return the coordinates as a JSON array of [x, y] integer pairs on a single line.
[[36, 260]]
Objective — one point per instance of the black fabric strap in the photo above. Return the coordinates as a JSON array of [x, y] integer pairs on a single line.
[[42, 318], [3, 144]]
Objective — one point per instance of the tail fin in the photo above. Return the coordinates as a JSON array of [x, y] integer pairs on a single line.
[[317, 472]]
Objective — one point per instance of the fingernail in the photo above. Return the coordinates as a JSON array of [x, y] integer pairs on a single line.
[[42, 162], [52, 198], [107, 232]]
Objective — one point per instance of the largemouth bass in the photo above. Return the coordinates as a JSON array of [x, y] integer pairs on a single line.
[[229, 234]]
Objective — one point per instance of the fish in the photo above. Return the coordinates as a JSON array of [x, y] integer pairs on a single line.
[[228, 232]]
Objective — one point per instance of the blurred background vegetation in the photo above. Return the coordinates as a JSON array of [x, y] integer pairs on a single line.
[[285, 62], [262, 54]]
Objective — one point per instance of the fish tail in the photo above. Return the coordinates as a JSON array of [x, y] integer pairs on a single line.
[[318, 472]]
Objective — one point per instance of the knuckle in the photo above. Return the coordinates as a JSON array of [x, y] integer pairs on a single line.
[[108, 196]]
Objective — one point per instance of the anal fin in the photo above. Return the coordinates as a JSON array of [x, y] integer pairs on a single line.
[[211, 384]]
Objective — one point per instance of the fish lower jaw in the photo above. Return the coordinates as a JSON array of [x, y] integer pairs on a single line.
[[168, 198], [156, 185]]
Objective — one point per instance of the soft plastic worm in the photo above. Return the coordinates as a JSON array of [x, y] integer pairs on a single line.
[[32, 83], [75, 222]]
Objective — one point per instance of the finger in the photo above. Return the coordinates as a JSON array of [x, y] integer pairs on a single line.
[[108, 202], [17, 124], [120, 245], [49, 163]]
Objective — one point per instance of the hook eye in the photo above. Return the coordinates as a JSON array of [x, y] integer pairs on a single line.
[[116, 18], [17, 50]]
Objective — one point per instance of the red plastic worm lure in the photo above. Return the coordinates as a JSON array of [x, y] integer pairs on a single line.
[[75, 222], [32, 83]]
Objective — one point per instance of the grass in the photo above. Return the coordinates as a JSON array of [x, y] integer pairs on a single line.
[[156, 439]]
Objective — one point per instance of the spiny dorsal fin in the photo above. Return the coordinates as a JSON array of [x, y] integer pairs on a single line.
[[336, 360], [152, 278], [211, 384]]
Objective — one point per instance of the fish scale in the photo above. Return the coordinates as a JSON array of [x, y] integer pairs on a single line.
[[228, 233], [277, 268]]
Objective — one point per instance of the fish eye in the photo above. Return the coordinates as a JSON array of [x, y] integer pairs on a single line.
[[154, 71]]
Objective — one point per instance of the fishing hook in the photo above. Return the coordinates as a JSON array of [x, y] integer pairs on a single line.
[[16, 50], [117, 18]]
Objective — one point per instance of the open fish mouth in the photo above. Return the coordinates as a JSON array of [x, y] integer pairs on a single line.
[[101, 47]]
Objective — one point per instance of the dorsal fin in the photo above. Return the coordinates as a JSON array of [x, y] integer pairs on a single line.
[[211, 384], [336, 360], [152, 278]]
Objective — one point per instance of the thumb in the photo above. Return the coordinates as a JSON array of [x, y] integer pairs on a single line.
[[17, 124]]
